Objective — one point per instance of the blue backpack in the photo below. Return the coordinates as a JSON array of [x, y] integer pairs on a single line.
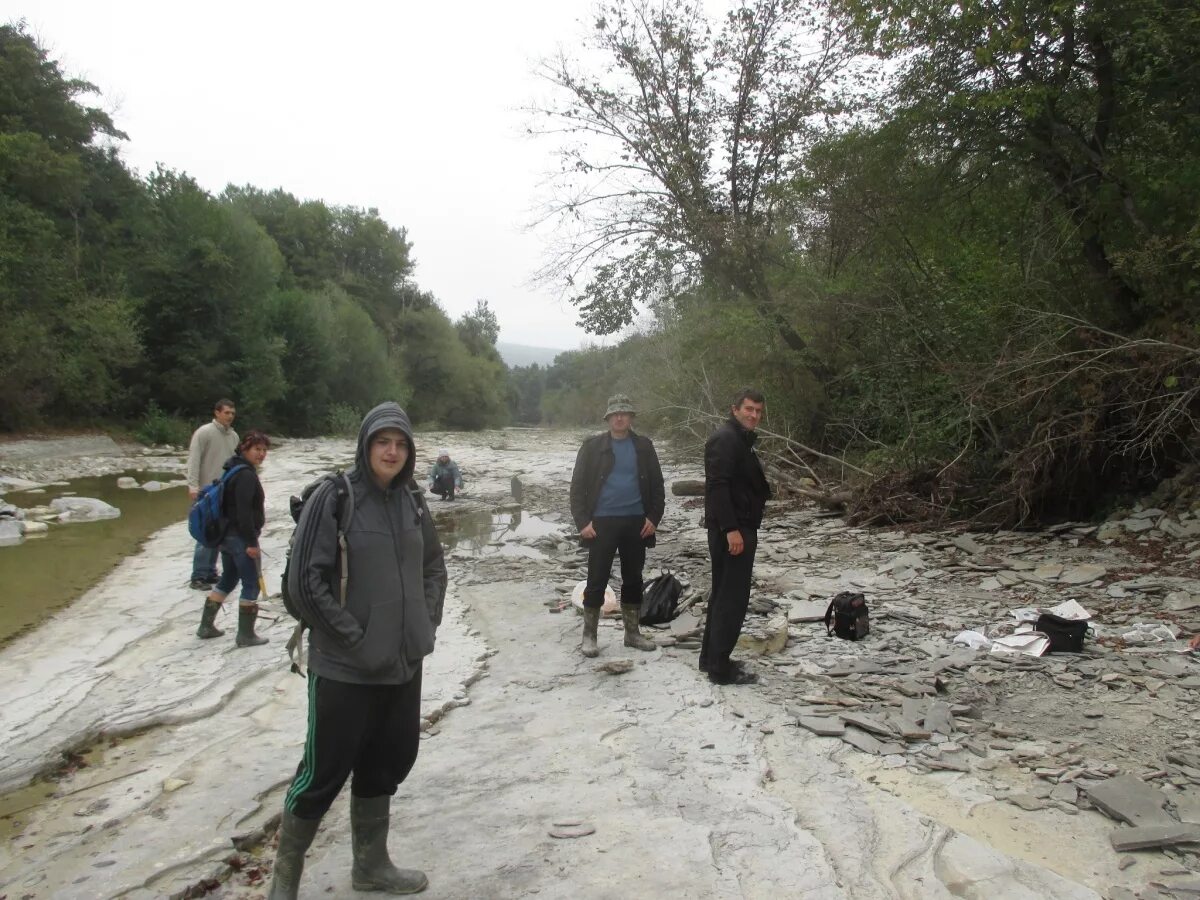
[[205, 522]]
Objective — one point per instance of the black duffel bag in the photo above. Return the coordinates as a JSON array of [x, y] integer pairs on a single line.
[[1066, 635]]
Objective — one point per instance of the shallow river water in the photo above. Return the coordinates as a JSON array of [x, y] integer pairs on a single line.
[[46, 573]]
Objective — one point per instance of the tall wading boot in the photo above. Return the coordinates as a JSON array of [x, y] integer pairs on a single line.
[[373, 869], [633, 636], [247, 613], [295, 836], [209, 616], [591, 621]]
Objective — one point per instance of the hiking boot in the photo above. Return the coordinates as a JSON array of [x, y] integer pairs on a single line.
[[633, 636], [199, 584], [373, 869], [207, 629], [591, 621], [295, 836], [733, 675], [247, 613]]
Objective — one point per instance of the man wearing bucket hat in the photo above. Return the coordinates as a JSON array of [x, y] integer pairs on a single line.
[[617, 501]]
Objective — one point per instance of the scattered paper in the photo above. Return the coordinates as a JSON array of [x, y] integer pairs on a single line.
[[1070, 609], [974, 639], [1030, 643]]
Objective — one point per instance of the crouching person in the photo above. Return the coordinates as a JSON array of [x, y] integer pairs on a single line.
[[364, 689]]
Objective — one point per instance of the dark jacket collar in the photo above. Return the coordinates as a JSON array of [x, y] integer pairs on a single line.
[[741, 431]]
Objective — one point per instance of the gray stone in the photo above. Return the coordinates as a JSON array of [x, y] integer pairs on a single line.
[[1137, 525], [1129, 799], [1027, 802], [967, 544], [1187, 807], [1067, 793], [867, 723], [1146, 837], [939, 718], [807, 611], [862, 741], [823, 725], [1084, 574]]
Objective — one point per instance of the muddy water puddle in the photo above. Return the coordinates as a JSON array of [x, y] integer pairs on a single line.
[[47, 572], [17, 807], [482, 531]]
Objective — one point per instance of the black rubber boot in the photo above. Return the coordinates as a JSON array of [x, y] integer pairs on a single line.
[[295, 836], [633, 635], [373, 869], [247, 613], [207, 629], [591, 622]]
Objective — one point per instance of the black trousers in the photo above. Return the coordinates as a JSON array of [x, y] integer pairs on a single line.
[[444, 486], [615, 535], [370, 731], [729, 598]]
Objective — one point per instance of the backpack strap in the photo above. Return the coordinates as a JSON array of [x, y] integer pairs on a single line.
[[829, 618], [345, 514]]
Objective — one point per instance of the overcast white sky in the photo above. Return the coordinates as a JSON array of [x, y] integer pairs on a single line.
[[411, 107]]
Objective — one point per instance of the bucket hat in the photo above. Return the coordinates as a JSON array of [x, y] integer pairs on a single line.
[[619, 403]]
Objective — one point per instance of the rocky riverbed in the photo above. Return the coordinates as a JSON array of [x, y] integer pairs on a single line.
[[905, 765]]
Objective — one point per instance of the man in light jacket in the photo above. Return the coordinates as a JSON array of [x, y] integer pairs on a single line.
[[364, 706], [212, 444]]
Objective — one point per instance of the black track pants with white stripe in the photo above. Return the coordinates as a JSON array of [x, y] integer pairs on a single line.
[[368, 731]]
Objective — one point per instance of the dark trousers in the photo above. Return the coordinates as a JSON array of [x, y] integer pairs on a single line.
[[729, 598], [443, 486], [370, 731], [615, 535]]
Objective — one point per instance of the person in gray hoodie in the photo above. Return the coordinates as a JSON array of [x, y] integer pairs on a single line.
[[364, 688]]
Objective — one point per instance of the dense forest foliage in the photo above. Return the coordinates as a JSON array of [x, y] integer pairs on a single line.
[[126, 298], [957, 245]]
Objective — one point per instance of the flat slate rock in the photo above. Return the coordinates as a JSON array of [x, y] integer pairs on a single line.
[[1129, 799], [823, 725], [1149, 836], [867, 723]]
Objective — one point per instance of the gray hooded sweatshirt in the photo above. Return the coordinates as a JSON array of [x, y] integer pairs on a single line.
[[397, 579]]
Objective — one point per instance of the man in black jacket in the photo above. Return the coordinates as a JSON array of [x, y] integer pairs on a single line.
[[735, 493], [617, 501]]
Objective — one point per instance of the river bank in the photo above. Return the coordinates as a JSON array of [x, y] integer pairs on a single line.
[[522, 732]]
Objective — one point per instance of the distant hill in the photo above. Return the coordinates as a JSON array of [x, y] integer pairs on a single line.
[[524, 355]]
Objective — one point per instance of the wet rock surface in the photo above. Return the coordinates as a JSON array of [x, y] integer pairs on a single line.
[[902, 765]]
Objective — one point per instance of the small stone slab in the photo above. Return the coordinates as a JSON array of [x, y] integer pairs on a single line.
[[867, 723], [860, 740], [1083, 574], [1129, 799], [967, 544], [1149, 836], [939, 718], [1187, 806], [565, 830], [615, 666], [823, 725], [1027, 802]]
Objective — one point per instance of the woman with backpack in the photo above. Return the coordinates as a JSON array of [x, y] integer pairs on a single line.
[[368, 636], [243, 516]]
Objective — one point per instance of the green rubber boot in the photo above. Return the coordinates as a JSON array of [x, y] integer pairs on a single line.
[[373, 869], [295, 836], [209, 616], [633, 635], [591, 622], [247, 613]]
